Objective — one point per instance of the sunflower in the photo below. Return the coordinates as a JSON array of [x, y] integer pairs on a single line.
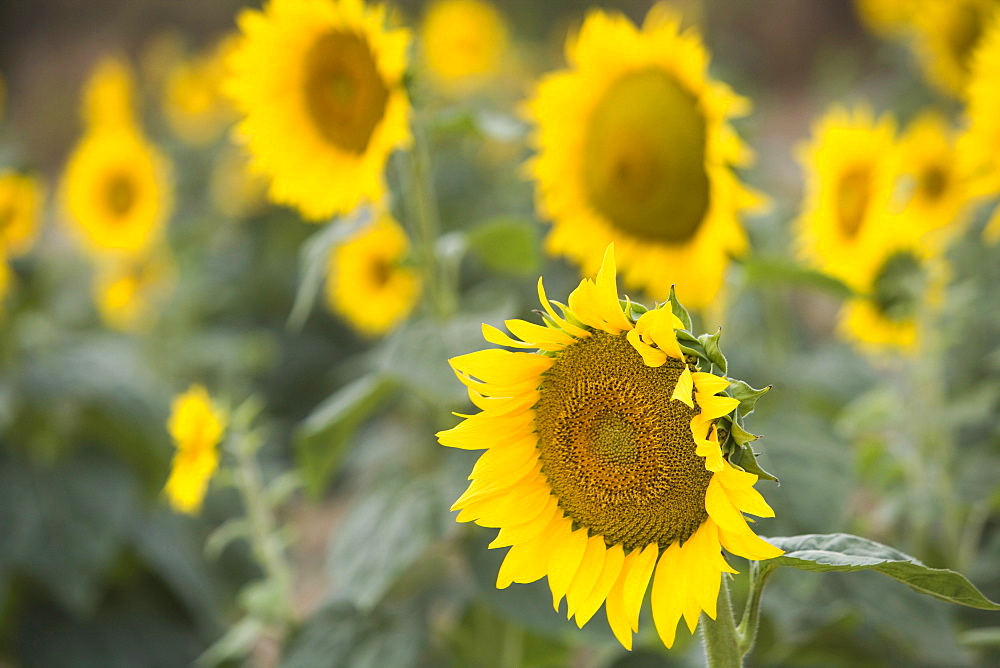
[[933, 190], [947, 34], [196, 426], [977, 147], [463, 43], [368, 284], [603, 466], [898, 288], [849, 186], [116, 190], [635, 147], [20, 207], [319, 85], [127, 290], [193, 102]]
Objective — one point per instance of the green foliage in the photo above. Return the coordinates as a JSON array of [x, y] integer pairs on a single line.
[[845, 553], [507, 246]]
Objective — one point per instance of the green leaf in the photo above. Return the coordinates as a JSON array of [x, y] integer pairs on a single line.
[[710, 342], [747, 461], [507, 245], [321, 440], [679, 309], [845, 553], [314, 259], [382, 534], [741, 435], [747, 396], [765, 271], [231, 530]]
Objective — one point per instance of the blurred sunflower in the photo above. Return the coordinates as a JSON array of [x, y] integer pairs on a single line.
[[196, 426], [367, 283], [127, 290], [20, 208], [934, 191], [977, 147], [109, 96], [463, 43], [319, 83], [947, 34], [603, 466], [635, 147], [116, 190], [897, 288], [849, 185], [193, 102]]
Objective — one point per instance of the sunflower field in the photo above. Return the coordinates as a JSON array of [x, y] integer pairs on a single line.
[[499, 333]]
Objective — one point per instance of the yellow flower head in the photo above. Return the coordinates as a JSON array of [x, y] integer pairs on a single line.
[[196, 426], [127, 290], [320, 86], [977, 147], [947, 34], [20, 209], [193, 102], [109, 97], [931, 186], [367, 283], [849, 184], [116, 190], [603, 467], [635, 147], [463, 43]]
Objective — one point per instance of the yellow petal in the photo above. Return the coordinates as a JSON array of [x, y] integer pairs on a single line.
[[613, 560], [684, 389], [528, 562], [515, 507], [563, 563], [586, 575], [614, 608], [715, 406], [522, 533], [668, 594], [483, 487], [494, 335], [501, 367], [482, 430], [748, 545], [651, 357], [545, 338], [721, 509], [504, 458], [637, 581], [564, 324], [607, 293], [709, 383]]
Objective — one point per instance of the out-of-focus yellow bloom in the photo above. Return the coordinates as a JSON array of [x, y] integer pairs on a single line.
[[109, 97], [947, 33], [463, 43], [849, 184], [237, 191], [193, 102], [887, 18], [320, 86], [6, 278], [978, 146], [127, 290], [196, 426], [20, 210], [635, 147], [931, 187], [367, 282], [116, 190]]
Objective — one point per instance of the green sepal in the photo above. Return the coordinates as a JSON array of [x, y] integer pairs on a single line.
[[741, 435], [683, 334], [710, 342], [693, 351], [632, 309], [745, 459], [747, 396], [679, 310]]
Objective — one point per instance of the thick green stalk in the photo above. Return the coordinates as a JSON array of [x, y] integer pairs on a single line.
[[720, 637]]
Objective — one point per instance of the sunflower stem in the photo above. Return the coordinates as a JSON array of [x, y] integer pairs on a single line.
[[747, 629], [424, 215], [721, 639]]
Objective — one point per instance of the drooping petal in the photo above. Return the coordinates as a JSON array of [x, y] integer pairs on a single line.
[[684, 388], [501, 367], [613, 560], [586, 575], [637, 581], [564, 562]]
